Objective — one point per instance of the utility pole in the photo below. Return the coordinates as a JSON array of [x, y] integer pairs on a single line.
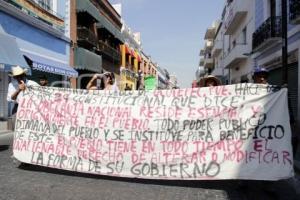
[[284, 42]]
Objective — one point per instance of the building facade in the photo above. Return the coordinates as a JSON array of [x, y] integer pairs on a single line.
[[40, 31], [173, 83], [267, 48], [131, 60], [163, 78], [238, 26], [96, 39]]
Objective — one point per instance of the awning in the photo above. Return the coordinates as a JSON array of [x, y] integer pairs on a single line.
[[138, 57], [88, 7], [128, 50], [50, 66], [88, 60], [104, 23], [10, 53]]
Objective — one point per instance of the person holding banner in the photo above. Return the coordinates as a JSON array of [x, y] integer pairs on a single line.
[[260, 75], [17, 87], [209, 81]]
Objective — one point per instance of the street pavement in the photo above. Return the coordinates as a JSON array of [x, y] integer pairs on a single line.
[[29, 182], [6, 137]]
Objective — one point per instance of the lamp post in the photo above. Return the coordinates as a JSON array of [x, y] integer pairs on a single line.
[[284, 42]]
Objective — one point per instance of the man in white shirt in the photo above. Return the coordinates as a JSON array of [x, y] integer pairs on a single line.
[[18, 85]]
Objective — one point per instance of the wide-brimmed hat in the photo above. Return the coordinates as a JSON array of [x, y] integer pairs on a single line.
[[204, 80], [17, 71]]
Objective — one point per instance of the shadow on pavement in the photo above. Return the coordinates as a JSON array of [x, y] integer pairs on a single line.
[[251, 189], [4, 147], [209, 184]]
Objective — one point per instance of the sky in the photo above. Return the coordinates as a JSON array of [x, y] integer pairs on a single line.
[[172, 31]]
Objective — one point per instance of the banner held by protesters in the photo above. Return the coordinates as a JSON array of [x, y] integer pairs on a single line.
[[227, 132]]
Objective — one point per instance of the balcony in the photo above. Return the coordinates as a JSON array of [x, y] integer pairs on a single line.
[[237, 11], [208, 45], [86, 37], [200, 72], [128, 73], [208, 62], [267, 35], [201, 63], [202, 52], [210, 33], [236, 55], [217, 48], [109, 52], [294, 12]]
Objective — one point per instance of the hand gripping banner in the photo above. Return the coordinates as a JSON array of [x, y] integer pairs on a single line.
[[227, 132]]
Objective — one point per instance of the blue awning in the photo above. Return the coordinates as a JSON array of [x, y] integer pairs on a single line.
[[51, 66], [10, 53]]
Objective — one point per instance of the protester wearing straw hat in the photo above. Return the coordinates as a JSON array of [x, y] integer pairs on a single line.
[[18, 85], [209, 81]]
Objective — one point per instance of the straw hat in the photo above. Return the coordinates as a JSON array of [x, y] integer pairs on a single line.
[[204, 80], [17, 70]]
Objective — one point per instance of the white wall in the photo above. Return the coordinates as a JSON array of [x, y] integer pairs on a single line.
[[249, 21]]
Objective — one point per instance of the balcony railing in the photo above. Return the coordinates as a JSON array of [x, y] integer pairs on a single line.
[[270, 29], [109, 51], [129, 73], [87, 36], [295, 11]]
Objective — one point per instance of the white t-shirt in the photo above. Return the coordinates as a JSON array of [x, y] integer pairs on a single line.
[[14, 86]]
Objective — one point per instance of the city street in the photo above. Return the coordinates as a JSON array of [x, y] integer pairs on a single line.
[[29, 182], [144, 100]]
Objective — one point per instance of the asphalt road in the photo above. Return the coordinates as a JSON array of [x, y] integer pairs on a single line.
[[30, 182]]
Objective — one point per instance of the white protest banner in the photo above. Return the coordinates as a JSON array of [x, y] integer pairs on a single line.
[[228, 132]]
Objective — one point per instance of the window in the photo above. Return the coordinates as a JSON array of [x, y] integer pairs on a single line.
[[46, 4]]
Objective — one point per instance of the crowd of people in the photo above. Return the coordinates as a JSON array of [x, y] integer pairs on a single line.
[[104, 81], [260, 76]]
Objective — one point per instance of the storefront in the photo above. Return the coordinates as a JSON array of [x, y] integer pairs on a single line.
[[41, 48]]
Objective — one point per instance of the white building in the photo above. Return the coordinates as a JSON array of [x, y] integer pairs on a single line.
[[238, 26], [267, 48]]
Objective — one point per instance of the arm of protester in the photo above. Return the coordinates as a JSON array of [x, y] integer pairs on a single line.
[[12, 93], [21, 87], [91, 84]]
